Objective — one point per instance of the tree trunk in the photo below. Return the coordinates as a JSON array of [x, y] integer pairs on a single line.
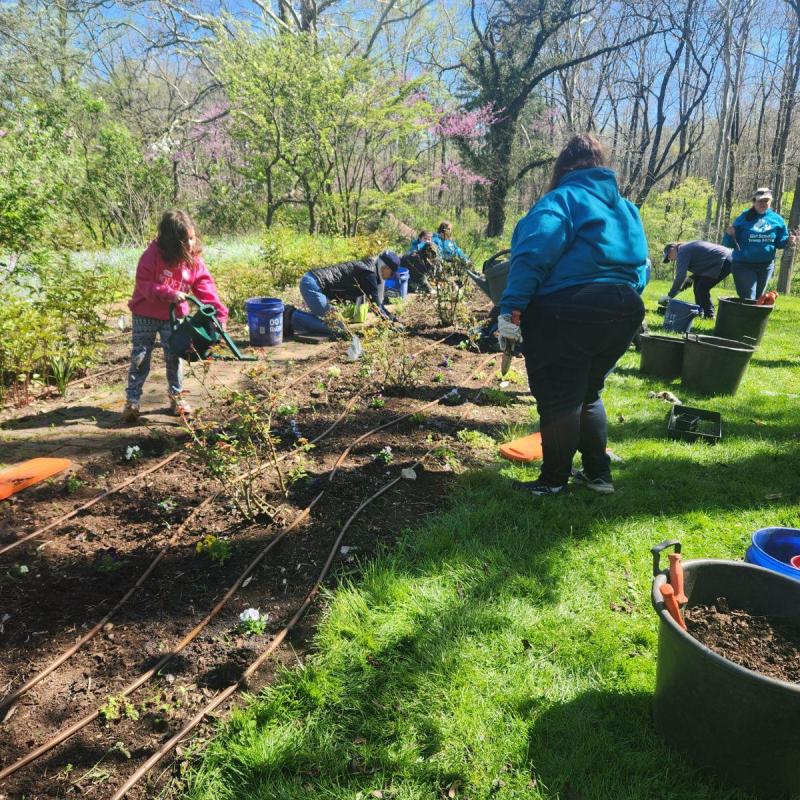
[[500, 141], [787, 259]]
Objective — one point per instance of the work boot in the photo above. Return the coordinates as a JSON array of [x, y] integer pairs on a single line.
[[179, 406], [131, 413]]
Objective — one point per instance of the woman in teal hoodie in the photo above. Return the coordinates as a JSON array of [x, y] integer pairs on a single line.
[[754, 236], [578, 267]]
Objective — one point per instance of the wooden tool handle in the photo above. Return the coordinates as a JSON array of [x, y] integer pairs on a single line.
[[668, 594], [676, 577]]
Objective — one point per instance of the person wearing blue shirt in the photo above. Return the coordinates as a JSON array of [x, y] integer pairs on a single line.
[[754, 236], [423, 238], [578, 267], [445, 244]]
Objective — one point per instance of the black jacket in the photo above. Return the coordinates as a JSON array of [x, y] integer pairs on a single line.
[[349, 280]]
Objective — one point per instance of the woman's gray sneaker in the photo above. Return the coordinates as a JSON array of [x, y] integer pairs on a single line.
[[599, 485]]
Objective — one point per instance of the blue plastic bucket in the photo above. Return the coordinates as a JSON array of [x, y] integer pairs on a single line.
[[773, 548], [397, 285], [264, 321], [679, 316]]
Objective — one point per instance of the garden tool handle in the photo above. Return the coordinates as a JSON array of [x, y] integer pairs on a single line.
[[671, 604], [189, 298], [656, 551], [676, 577]]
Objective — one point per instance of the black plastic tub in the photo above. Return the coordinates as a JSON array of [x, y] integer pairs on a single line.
[[692, 424], [740, 725], [742, 320], [662, 356], [714, 366]]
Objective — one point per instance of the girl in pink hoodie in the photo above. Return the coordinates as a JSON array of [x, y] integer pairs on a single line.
[[170, 269]]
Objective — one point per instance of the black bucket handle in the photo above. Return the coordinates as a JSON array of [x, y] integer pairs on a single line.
[[656, 551]]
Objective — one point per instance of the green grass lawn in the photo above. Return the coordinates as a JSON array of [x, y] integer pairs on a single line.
[[507, 648]]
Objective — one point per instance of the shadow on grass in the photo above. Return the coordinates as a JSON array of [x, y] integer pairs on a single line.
[[592, 746]]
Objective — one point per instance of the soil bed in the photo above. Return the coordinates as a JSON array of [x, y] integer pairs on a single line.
[[75, 573], [762, 644]]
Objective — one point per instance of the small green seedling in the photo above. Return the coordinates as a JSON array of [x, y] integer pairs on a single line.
[[476, 438], [334, 372], [377, 402], [497, 397], [438, 377], [512, 376], [252, 622], [385, 455], [73, 483], [418, 418], [288, 410], [117, 707], [108, 562], [217, 549], [444, 453], [299, 472]]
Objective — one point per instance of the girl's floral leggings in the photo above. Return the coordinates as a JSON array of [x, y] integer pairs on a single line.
[[144, 340]]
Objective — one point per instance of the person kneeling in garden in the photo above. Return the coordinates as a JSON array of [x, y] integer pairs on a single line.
[[347, 281], [445, 244], [170, 269], [706, 262]]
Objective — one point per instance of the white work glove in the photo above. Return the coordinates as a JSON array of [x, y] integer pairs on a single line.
[[508, 332], [664, 299]]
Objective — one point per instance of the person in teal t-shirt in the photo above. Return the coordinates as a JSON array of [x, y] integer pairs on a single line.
[[755, 235]]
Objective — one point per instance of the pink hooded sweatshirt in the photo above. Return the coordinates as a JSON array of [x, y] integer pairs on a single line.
[[157, 283]]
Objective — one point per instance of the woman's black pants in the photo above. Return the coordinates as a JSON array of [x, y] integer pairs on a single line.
[[571, 340]]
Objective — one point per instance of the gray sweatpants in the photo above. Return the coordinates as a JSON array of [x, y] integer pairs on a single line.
[[144, 340]]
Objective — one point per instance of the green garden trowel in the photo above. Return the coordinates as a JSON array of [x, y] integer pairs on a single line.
[[193, 336]]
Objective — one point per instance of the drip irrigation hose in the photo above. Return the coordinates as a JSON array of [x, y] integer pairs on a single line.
[[143, 769], [11, 698], [108, 492], [90, 634], [146, 676]]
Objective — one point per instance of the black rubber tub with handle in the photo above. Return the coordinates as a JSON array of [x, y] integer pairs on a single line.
[[742, 726], [742, 320]]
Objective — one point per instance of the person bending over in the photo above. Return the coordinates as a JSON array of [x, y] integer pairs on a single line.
[[578, 267], [346, 281], [706, 262]]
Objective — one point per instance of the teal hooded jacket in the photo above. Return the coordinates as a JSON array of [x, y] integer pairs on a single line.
[[757, 237], [583, 231]]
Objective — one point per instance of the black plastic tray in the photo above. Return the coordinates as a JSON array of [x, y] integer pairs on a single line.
[[694, 424]]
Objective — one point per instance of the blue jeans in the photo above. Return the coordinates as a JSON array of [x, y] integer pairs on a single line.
[[751, 279], [319, 305], [571, 340], [144, 340]]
